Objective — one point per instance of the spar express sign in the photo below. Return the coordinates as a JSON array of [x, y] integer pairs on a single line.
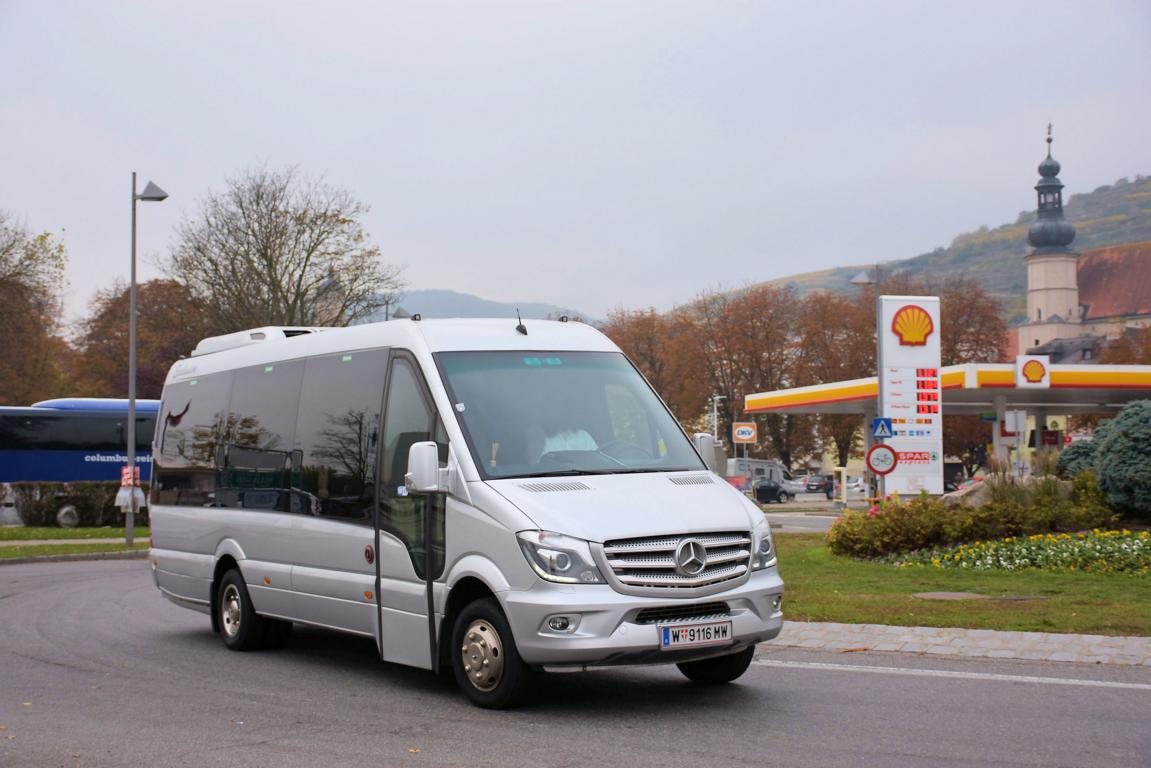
[[909, 391]]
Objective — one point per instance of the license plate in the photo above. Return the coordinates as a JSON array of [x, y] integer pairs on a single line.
[[674, 636]]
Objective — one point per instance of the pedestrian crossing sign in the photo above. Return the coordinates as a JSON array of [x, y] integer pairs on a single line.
[[881, 428]]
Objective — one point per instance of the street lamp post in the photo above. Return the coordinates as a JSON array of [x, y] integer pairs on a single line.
[[715, 415], [151, 193]]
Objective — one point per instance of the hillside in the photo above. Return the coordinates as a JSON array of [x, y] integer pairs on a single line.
[[442, 303], [1110, 215]]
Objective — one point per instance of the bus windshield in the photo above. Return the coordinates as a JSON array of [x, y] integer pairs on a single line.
[[541, 414]]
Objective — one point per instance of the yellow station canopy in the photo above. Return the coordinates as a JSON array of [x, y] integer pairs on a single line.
[[976, 388]]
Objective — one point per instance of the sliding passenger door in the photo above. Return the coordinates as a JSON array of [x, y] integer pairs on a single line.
[[411, 534], [337, 437]]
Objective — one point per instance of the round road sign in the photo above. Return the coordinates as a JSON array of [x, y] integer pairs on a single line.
[[881, 459]]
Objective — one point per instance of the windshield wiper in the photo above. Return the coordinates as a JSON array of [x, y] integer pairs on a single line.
[[634, 471], [567, 472]]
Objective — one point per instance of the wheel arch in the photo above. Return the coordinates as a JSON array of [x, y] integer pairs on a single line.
[[474, 578]]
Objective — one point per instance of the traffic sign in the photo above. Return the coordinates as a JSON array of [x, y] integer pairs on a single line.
[[744, 432], [881, 428], [881, 459]]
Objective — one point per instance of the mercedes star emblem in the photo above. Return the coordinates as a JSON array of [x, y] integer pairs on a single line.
[[690, 557]]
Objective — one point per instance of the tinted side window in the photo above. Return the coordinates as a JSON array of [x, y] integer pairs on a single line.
[[410, 418], [190, 433], [259, 465], [70, 431], [337, 434]]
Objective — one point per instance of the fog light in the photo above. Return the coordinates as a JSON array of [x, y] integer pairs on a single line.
[[559, 623], [776, 602]]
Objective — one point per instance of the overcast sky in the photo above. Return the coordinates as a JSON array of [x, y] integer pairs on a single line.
[[591, 154]]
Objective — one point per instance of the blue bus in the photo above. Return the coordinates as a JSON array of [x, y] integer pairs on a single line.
[[74, 439]]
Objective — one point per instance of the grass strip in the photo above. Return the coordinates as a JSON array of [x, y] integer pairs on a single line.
[[823, 587], [22, 533], [34, 550]]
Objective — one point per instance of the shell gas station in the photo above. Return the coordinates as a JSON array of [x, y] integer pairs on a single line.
[[1077, 302], [1030, 385]]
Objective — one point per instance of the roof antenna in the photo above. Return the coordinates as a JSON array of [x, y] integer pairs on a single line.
[[520, 327]]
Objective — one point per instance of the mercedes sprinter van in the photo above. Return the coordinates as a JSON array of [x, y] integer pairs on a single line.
[[492, 497]]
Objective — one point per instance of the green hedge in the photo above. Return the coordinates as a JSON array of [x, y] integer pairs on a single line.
[[39, 504], [895, 526]]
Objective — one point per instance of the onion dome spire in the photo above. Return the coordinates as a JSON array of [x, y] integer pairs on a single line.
[[1051, 233]]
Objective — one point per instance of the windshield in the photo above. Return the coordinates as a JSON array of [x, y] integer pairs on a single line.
[[538, 414]]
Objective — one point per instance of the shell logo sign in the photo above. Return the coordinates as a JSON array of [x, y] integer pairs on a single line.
[[1034, 371], [912, 325]]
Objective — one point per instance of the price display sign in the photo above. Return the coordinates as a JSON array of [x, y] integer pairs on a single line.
[[910, 391]]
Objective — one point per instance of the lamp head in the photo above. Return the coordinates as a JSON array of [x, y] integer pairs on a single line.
[[152, 193]]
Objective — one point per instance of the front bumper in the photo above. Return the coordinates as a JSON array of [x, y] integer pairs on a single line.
[[606, 630]]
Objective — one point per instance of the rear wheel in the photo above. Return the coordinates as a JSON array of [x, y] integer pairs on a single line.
[[718, 670], [782, 498], [241, 628], [487, 666]]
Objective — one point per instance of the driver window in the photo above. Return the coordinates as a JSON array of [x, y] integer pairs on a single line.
[[409, 418]]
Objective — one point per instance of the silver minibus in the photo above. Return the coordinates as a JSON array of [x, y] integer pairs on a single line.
[[482, 496]]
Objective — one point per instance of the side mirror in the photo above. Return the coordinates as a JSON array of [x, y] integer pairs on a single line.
[[705, 446], [424, 475]]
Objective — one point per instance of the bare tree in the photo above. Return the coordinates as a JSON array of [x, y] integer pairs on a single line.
[[278, 249]]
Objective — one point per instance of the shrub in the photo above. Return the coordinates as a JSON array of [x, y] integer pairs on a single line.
[[1076, 458], [39, 504], [1123, 459], [895, 526]]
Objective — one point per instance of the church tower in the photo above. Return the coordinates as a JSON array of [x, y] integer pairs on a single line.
[[1052, 279]]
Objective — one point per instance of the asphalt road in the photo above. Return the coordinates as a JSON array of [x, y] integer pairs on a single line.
[[96, 669]]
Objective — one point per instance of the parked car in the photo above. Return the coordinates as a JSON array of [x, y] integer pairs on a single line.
[[767, 491], [822, 484], [793, 487], [856, 485]]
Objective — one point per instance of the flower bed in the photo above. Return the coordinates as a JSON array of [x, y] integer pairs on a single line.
[[1095, 552]]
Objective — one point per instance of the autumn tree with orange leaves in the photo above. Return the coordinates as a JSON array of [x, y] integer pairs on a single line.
[[169, 325]]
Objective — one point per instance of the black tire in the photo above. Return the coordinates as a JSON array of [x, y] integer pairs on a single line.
[[240, 626], [719, 669], [782, 498], [481, 636]]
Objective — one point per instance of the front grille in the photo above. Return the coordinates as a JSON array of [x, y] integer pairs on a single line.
[[650, 561], [698, 612]]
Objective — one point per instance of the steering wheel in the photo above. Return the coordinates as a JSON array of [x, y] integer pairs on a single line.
[[624, 449]]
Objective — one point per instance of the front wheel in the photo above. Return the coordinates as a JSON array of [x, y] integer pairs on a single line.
[[241, 628], [782, 498], [718, 670], [487, 666]]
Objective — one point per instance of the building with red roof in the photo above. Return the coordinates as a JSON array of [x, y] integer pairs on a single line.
[[1077, 302]]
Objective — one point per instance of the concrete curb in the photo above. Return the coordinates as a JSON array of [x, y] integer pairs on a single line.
[[79, 557], [970, 643]]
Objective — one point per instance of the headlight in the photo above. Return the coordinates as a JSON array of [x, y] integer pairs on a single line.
[[762, 551], [559, 558]]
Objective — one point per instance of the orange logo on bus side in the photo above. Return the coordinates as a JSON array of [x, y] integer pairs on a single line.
[[1034, 371], [912, 325]]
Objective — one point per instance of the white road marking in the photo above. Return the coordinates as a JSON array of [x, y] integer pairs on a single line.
[[950, 673]]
